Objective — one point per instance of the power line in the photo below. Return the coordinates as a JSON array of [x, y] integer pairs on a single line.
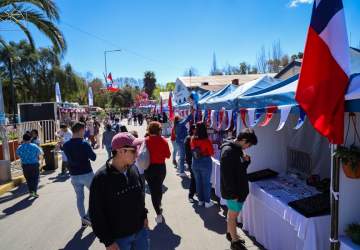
[[117, 45]]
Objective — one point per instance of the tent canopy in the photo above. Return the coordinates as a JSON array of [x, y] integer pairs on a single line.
[[229, 101], [220, 93]]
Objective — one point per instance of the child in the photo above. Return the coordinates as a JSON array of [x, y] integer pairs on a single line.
[[234, 181]]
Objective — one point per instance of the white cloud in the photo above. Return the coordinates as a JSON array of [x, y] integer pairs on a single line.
[[295, 3]]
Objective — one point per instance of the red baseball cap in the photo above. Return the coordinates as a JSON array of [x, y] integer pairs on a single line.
[[124, 140]]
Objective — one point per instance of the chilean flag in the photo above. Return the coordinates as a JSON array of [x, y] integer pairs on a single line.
[[325, 71], [171, 110]]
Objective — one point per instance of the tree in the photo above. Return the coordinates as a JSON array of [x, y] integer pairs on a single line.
[[40, 13], [214, 69], [191, 72], [243, 68], [170, 86], [149, 82], [261, 61], [284, 60]]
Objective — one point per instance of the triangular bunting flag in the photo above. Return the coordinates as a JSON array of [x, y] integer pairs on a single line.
[[243, 116], [269, 115], [251, 116], [284, 113], [301, 120], [229, 120]]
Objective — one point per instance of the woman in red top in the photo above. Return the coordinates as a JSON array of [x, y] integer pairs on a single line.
[[202, 150], [159, 150]]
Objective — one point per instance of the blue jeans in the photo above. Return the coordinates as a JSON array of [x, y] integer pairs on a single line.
[[175, 150], [202, 171], [108, 150], [137, 241], [181, 148], [79, 182]]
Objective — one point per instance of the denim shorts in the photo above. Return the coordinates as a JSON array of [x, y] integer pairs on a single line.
[[234, 205]]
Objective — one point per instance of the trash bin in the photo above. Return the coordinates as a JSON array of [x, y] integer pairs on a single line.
[[51, 156]]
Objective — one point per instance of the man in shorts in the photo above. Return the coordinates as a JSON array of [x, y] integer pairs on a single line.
[[234, 182]]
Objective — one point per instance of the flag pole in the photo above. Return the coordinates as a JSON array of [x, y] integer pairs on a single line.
[[335, 183]]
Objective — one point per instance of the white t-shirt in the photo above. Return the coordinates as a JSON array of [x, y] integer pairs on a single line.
[[65, 136]]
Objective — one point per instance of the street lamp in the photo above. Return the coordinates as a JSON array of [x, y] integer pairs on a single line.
[[12, 89], [105, 52]]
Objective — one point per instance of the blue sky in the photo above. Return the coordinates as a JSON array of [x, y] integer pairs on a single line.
[[170, 36]]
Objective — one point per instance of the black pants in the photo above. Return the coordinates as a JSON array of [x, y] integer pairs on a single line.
[[155, 176], [31, 174], [192, 188], [64, 167]]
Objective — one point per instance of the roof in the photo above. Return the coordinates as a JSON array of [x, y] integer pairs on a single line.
[[216, 82], [292, 64]]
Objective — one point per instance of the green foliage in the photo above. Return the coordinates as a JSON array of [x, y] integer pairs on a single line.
[[353, 231], [35, 73], [349, 155], [149, 83], [40, 13]]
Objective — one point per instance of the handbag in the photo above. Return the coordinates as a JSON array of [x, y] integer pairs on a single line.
[[143, 158]]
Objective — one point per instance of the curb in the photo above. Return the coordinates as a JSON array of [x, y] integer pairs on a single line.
[[12, 184]]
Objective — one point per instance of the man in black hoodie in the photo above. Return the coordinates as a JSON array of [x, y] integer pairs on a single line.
[[234, 182], [117, 200]]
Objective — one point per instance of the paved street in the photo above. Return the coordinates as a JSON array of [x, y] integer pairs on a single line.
[[52, 222]]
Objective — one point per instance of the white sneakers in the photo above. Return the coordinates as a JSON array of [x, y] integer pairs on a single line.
[[209, 204], [200, 203], [183, 175], [159, 219]]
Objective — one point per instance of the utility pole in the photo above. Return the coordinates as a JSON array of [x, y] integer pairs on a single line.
[[12, 89], [105, 52], [5, 169]]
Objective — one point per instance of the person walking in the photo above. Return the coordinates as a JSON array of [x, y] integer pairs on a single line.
[[65, 135], [79, 153], [107, 137], [234, 184], [155, 174], [181, 133], [174, 146], [117, 200], [29, 154], [202, 150], [189, 159]]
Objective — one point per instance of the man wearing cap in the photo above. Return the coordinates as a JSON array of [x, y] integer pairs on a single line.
[[117, 200]]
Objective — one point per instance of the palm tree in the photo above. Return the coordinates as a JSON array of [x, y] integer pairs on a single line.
[[40, 13]]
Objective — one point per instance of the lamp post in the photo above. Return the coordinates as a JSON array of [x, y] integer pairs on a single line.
[[105, 52]]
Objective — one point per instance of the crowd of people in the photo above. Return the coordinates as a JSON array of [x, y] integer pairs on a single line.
[[117, 211]]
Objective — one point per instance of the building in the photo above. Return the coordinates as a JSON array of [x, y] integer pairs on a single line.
[[184, 85]]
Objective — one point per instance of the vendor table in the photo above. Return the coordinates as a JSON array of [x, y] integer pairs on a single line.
[[275, 225], [347, 244]]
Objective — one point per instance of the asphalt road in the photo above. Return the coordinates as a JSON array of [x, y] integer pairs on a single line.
[[52, 221]]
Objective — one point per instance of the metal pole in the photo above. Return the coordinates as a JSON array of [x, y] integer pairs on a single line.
[[106, 75], [13, 100], [5, 167], [335, 181]]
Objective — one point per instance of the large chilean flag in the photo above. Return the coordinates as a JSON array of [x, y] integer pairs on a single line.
[[325, 71]]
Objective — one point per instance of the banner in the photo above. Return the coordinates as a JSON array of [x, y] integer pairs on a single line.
[[90, 97], [284, 113], [57, 93]]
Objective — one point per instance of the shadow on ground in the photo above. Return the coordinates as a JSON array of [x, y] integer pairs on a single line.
[[77, 242], [162, 237], [60, 178], [212, 219], [17, 192], [21, 205]]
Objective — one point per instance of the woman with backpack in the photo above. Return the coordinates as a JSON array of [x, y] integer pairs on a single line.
[[202, 150], [155, 174]]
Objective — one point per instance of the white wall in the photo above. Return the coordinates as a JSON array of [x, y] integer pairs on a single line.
[[271, 150]]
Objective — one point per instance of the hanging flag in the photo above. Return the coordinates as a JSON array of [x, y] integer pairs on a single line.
[[109, 77], [161, 105], [208, 117], [251, 117], [243, 116], [220, 119], [57, 93], [213, 119], [325, 70], [171, 111], [258, 115], [301, 119], [90, 97], [235, 117], [284, 113], [269, 115], [229, 120]]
